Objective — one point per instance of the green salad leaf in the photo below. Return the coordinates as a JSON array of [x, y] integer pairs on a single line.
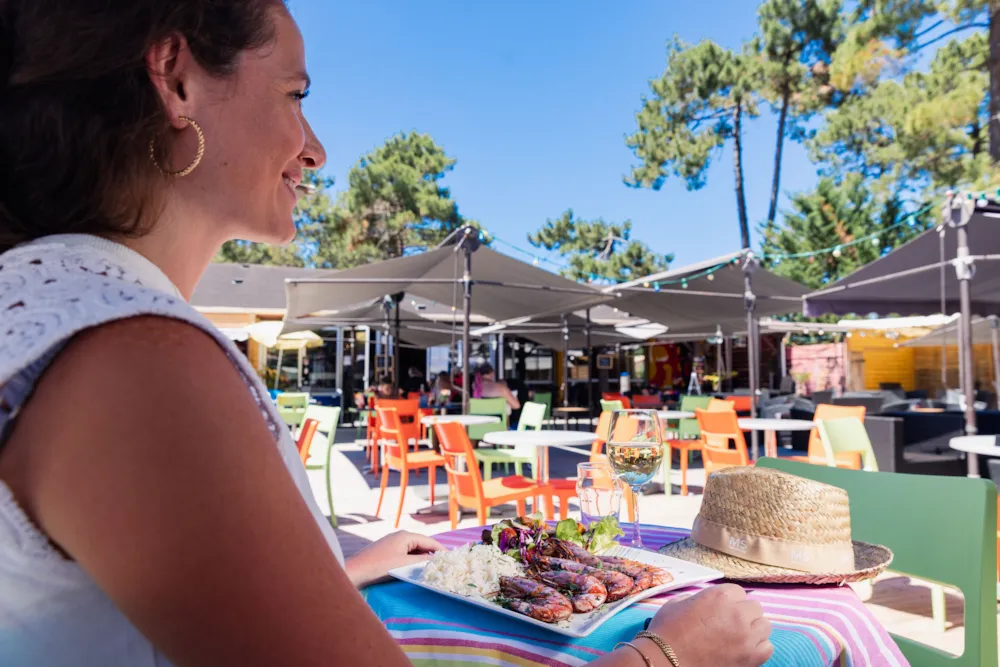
[[601, 534], [568, 529]]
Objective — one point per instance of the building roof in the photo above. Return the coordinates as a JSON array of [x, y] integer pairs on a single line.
[[250, 287]]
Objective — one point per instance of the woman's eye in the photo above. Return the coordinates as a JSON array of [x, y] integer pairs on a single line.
[[300, 95]]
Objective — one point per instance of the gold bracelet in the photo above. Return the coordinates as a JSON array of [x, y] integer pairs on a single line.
[[649, 663], [664, 646]]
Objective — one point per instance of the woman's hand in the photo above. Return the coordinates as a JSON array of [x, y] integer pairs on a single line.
[[372, 564], [718, 626]]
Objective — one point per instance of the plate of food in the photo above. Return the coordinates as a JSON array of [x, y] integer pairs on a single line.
[[563, 577]]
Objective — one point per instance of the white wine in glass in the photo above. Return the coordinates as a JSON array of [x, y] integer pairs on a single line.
[[635, 449]]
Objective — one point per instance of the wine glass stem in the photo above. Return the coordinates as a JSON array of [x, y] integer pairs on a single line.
[[636, 536]]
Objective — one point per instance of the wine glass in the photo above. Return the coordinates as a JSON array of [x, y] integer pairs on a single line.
[[635, 449]]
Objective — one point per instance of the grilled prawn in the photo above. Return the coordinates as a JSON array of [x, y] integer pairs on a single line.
[[534, 599]]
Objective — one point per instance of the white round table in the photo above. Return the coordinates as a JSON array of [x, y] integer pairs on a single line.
[[667, 415], [985, 445], [770, 428], [541, 441], [464, 420]]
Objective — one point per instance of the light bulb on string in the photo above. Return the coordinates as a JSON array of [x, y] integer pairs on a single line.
[[645, 284], [981, 202], [684, 284], [711, 276], [911, 221], [836, 251], [534, 262], [656, 287], [876, 241]]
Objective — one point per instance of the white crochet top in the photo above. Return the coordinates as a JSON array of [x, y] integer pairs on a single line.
[[51, 612]]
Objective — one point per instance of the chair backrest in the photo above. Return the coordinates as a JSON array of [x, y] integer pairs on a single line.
[[944, 532], [532, 416], [392, 432], [328, 417], [495, 407], [610, 405], [718, 427], [846, 434], [825, 411], [545, 398], [466, 484], [640, 401], [688, 428], [613, 396], [293, 400], [716, 404], [408, 412], [741, 402], [306, 436], [602, 433]]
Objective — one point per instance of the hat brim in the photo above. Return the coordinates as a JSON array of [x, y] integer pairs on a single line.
[[869, 561]]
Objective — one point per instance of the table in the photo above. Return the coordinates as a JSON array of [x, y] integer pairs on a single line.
[[464, 420], [770, 428], [541, 441], [668, 415], [985, 445], [819, 626], [569, 411]]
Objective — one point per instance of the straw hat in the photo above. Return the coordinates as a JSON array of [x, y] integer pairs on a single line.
[[766, 526]]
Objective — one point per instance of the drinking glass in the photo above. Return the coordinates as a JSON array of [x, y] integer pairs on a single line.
[[635, 449], [599, 491]]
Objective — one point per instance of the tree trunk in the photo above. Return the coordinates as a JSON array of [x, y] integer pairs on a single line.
[[772, 209], [995, 80], [741, 202]]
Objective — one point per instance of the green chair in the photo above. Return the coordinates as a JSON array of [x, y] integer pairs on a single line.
[[687, 429], [545, 398], [493, 407], [292, 407], [608, 406], [941, 529], [532, 417], [846, 435], [328, 418]]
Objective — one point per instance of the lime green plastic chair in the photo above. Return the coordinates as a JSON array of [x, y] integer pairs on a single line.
[[328, 418], [292, 407], [532, 418], [687, 429], [608, 406], [495, 407], [846, 435], [545, 398], [941, 529]]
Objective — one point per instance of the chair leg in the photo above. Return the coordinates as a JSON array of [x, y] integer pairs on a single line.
[[403, 475], [630, 502], [563, 507], [482, 514], [684, 472], [517, 468], [452, 510], [522, 507], [487, 470], [329, 482], [385, 482], [938, 607], [431, 477]]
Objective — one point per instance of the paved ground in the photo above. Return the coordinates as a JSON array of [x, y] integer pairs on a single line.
[[901, 603]]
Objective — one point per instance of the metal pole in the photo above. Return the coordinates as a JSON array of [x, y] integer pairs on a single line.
[[944, 307], [728, 345], [500, 356], [339, 366], [958, 213], [277, 372], [590, 365], [395, 352], [466, 316], [718, 354], [783, 351], [565, 352], [994, 325], [750, 301]]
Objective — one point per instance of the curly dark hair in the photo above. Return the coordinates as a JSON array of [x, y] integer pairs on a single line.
[[78, 109]]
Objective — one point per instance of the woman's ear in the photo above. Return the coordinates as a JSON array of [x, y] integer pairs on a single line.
[[171, 69]]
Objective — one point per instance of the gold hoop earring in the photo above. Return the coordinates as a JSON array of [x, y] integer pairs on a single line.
[[197, 158]]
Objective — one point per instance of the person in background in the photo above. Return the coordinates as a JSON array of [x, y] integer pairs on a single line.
[[385, 388], [415, 383], [136, 137], [485, 385], [443, 389]]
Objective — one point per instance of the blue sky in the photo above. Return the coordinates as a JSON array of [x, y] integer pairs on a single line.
[[534, 100]]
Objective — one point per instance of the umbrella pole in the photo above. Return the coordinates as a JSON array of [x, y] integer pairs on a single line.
[[565, 352], [995, 338], [277, 371], [590, 366], [944, 307], [466, 317], [960, 211], [718, 355], [728, 345], [395, 353], [753, 342]]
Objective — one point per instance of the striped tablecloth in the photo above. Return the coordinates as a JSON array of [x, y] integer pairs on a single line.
[[821, 626]]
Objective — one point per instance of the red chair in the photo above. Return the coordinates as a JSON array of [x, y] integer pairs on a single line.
[[649, 402], [741, 402], [398, 456], [466, 487]]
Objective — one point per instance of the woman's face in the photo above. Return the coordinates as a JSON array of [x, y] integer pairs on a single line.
[[257, 139]]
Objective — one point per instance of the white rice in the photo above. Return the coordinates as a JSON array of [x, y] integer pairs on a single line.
[[470, 570]]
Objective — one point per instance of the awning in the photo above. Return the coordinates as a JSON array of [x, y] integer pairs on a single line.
[[982, 334], [907, 281], [271, 335], [708, 294]]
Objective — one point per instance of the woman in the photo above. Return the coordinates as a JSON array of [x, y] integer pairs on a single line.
[[153, 510], [486, 386]]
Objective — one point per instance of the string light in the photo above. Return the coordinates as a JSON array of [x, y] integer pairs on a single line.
[[656, 287], [710, 277], [684, 284], [646, 284], [876, 241], [836, 251]]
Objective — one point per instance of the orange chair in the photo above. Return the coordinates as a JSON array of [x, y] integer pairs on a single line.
[[741, 402], [564, 489], [465, 483], [611, 396], [717, 429], [409, 417], [816, 454], [305, 440], [719, 404], [685, 446], [398, 456]]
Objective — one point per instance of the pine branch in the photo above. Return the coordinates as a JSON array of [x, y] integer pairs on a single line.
[[947, 33]]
